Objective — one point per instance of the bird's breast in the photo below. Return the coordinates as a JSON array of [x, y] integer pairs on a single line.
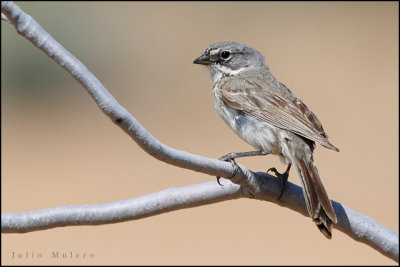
[[259, 134]]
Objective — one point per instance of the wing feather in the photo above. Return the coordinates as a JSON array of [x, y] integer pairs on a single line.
[[292, 115]]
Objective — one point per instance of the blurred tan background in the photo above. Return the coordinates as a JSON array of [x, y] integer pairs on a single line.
[[59, 149]]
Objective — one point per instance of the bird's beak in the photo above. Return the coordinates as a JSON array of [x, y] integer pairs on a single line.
[[203, 60]]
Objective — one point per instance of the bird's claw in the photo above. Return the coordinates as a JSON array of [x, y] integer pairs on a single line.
[[282, 177], [234, 164]]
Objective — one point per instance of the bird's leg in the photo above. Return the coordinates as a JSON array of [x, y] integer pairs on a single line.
[[283, 177], [232, 156]]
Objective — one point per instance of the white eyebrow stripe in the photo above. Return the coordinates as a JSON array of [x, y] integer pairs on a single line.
[[214, 52]]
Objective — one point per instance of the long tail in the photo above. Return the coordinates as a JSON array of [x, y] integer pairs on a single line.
[[318, 204]]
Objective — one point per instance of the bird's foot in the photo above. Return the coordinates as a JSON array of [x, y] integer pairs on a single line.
[[282, 177], [229, 158]]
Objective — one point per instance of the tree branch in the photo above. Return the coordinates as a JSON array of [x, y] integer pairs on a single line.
[[120, 211], [247, 184]]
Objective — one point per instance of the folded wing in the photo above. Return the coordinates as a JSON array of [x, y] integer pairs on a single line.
[[294, 115]]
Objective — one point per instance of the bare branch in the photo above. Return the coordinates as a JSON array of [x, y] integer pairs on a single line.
[[120, 211], [358, 226], [247, 184], [31, 30]]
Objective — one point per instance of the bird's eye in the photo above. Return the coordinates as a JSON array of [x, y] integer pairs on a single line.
[[225, 55]]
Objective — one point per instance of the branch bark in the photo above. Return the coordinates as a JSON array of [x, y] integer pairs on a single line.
[[245, 183]]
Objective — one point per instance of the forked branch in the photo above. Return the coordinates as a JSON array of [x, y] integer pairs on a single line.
[[244, 184]]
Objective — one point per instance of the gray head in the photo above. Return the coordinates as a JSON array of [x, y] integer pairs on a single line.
[[230, 58]]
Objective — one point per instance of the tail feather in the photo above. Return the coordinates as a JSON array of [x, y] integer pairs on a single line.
[[324, 224], [308, 188], [321, 192], [318, 204]]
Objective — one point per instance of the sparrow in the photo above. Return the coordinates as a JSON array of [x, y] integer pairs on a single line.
[[268, 116]]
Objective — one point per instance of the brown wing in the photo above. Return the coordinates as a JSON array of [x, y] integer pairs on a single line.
[[293, 116]]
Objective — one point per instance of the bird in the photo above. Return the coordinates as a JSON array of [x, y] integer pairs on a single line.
[[267, 115]]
